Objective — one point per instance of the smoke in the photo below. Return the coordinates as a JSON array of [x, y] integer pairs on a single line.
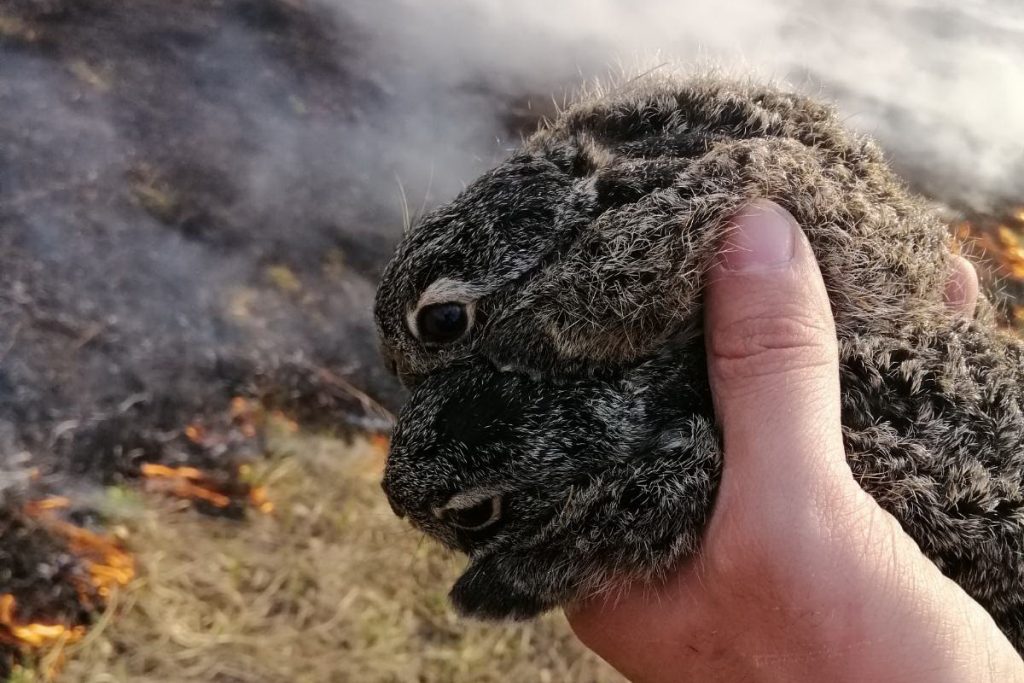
[[196, 194], [940, 84]]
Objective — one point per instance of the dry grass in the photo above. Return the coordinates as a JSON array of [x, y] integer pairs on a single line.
[[330, 587]]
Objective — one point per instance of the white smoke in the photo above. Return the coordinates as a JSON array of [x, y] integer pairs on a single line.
[[939, 83]]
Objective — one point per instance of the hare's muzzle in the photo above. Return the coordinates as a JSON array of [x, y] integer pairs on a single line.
[[396, 507]]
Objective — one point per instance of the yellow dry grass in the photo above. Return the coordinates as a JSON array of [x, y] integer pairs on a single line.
[[330, 587]]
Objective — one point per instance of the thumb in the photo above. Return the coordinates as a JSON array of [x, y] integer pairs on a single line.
[[772, 358]]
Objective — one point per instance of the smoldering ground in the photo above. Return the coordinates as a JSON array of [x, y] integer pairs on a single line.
[[196, 197]]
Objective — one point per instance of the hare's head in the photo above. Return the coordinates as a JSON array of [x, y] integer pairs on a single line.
[[459, 268], [481, 459], [540, 482]]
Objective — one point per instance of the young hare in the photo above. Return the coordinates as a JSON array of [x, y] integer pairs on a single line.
[[547, 320]]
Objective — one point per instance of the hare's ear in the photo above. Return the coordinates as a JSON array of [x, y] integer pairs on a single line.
[[485, 592], [579, 157]]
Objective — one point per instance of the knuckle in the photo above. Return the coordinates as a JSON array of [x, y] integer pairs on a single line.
[[756, 346]]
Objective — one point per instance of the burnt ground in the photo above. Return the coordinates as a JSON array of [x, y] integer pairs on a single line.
[[140, 289], [191, 210], [186, 216], [139, 285]]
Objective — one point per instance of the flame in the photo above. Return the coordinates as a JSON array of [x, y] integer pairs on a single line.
[[192, 483], [183, 482], [258, 499], [240, 406], [245, 415], [195, 433], [105, 563], [1012, 254], [32, 634], [1001, 240], [35, 508], [152, 469]]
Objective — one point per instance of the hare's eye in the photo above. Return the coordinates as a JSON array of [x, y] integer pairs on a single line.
[[442, 323], [476, 516]]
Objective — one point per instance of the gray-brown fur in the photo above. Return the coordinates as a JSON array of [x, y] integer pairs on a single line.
[[580, 393]]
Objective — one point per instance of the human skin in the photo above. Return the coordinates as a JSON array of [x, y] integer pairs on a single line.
[[801, 575]]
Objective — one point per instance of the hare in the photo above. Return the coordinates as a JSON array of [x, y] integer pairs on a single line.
[[560, 430]]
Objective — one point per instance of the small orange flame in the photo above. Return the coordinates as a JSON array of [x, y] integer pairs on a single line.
[[195, 433], [191, 483], [183, 482], [106, 562], [35, 508], [1012, 252], [106, 565], [245, 414], [1001, 240], [32, 634], [259, 500], [240, 406], [152, 469]]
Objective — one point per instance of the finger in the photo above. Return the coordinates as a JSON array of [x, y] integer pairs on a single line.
[[772, 356], [962, 288]]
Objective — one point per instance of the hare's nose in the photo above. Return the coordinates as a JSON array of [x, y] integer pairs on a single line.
[[396, 507]]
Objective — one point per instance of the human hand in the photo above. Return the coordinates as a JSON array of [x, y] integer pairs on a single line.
[[801, 576]]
